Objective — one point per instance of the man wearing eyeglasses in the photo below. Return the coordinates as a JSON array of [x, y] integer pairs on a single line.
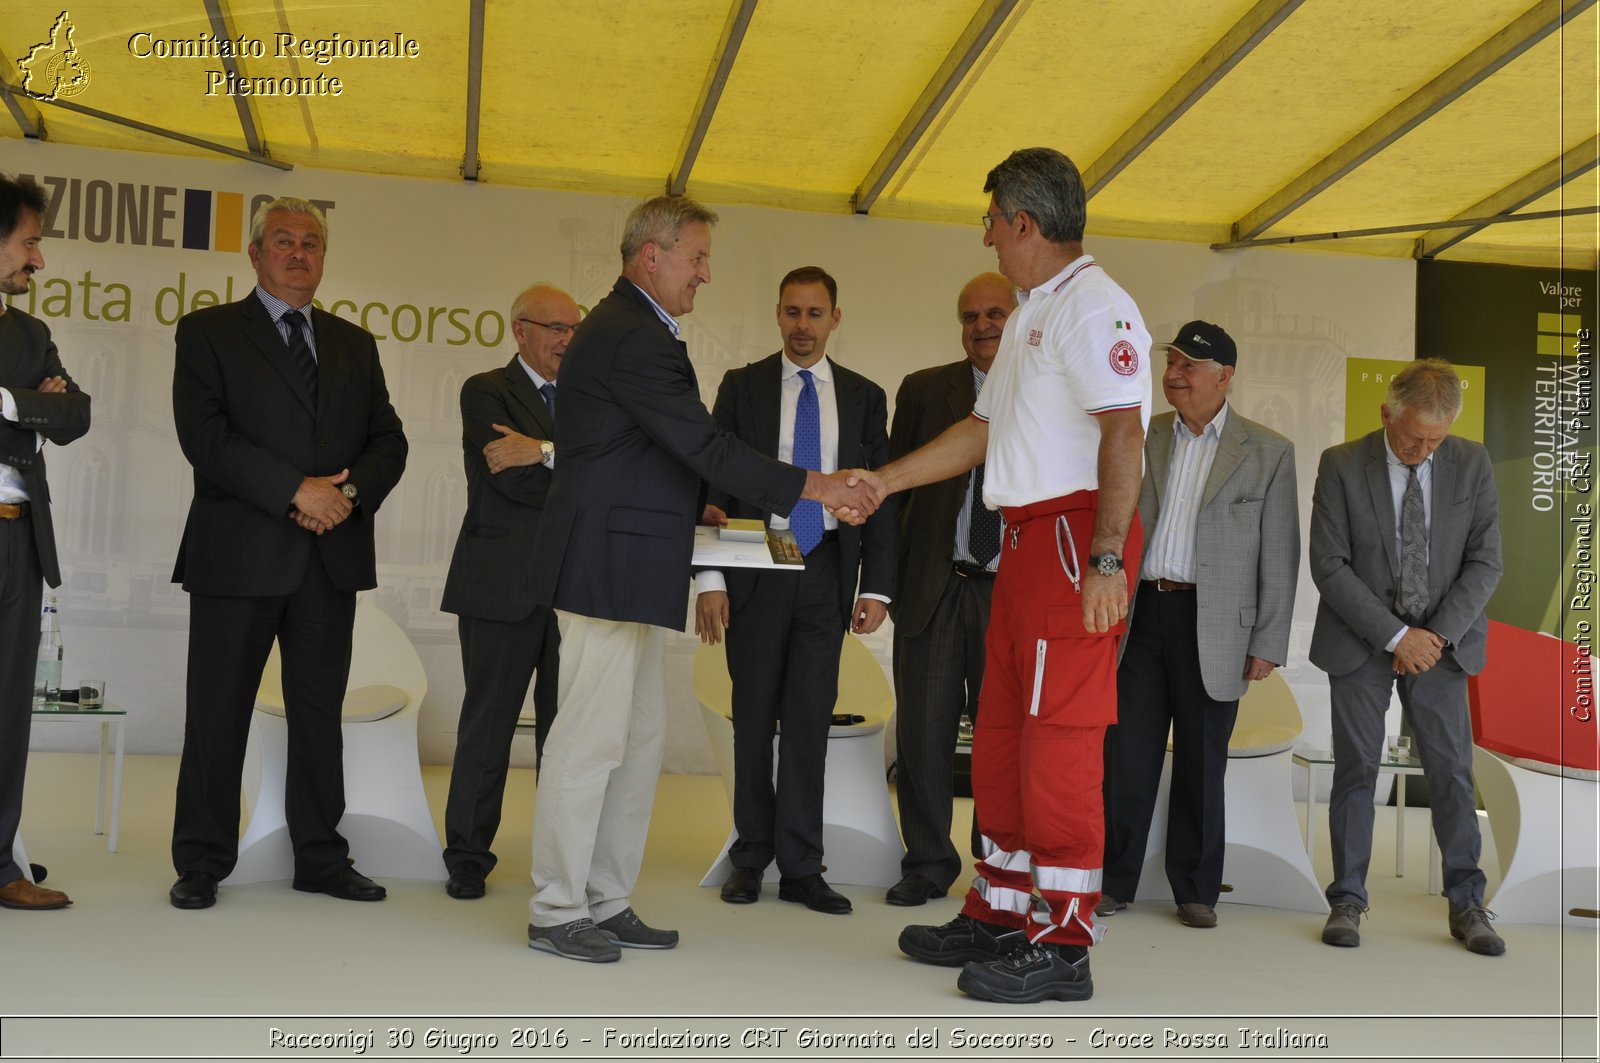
[[507, 432], [1060, 430]]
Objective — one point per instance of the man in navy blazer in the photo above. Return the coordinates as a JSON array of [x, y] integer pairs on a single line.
[[283, 412], [40, 402], [507, 442], [783, 652], [1405, 551], [636, 447]]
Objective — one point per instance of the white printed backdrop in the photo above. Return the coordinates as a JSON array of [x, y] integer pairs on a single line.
[[458, 253]]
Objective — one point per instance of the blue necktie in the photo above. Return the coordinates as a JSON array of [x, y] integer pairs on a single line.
[[549, 393], [805, 520]]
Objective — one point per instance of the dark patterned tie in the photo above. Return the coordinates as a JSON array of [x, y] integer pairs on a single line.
[[549, 393], [805, 520], [301, 350], [983, 525], [1412, 601]]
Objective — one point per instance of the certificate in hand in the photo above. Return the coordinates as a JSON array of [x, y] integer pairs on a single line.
[[779, 551]]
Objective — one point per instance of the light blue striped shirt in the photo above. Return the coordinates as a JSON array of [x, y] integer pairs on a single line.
[[277, 308], [1172, 554]]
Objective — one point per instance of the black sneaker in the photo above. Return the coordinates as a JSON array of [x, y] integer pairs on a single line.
[[1032, 972], [961, 940]]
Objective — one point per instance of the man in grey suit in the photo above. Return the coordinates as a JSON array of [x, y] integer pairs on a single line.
[[948, 551], [1212, 614], [507, 431], [38, 402], [1405, 551]]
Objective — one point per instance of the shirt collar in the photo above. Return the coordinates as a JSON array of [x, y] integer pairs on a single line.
[[821, 371], [1213, 427], [277, 307], [538, 381], [1425, 463], [1059, 281], [666, 318]]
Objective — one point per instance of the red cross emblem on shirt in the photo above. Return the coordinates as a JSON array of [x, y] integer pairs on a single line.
[[1124, 358]]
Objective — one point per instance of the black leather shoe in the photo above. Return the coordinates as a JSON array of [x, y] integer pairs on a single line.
[[194, 889], [466, 881], [912, 890], [347, 885], [742, 887], [814, 893]]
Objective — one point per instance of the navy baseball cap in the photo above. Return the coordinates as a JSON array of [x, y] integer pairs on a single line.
[[1204, 342]]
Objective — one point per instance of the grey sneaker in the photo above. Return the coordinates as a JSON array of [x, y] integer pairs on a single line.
[[1342, 927], [577, 940], [1031, 972], [961, 940], [1470, 926], [629, 931], [1108, 906]]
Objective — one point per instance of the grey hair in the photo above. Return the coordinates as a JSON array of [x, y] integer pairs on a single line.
[[1047, 185], [289, 205], [659, 221], [1429, 386]]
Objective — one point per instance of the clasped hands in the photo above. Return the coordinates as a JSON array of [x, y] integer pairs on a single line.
[[319, 505], [1418, 650]]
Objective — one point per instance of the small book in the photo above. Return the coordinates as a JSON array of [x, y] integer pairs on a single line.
[[785, 549], [742, 530]]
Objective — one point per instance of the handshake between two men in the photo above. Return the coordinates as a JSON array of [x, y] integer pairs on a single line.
[[852, 495]]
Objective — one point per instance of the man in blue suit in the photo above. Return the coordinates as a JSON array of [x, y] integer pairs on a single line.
[[637, 447]]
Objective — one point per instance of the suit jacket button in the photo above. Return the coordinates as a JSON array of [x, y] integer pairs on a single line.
[[322, 442]]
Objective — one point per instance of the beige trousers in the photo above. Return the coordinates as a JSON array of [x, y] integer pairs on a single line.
[[601, 761]]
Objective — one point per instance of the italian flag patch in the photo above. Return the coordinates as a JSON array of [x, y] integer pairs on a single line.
[[1125, 325]]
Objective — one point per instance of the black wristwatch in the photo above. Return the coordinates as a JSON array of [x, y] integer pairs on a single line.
[[349, 491], [1106, 564]]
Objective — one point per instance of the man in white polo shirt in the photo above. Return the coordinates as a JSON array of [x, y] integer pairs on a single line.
[[1060, 425]]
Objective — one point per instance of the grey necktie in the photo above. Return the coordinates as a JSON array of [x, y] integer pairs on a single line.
[[1412, 601]]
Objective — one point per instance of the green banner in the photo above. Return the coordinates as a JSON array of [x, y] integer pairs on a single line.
[[1531, 332]]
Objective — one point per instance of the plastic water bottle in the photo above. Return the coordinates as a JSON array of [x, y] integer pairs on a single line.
[[47, 675]]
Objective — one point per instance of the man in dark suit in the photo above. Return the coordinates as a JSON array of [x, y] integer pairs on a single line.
[[1211, 616], [38, 402], [1405, 551], [783, 653], [948, 552], [507, 431], [283, 412], [613, 559]]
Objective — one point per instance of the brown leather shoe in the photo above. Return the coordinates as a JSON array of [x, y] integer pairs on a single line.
[[25, 896], [1199, 916]]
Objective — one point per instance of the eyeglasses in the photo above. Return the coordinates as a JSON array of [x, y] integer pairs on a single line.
[[988, 219], [554, 326]]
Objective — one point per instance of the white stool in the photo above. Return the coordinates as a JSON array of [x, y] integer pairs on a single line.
[[1545, 827], [1265, 861], [860, 841], [386, 820]]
